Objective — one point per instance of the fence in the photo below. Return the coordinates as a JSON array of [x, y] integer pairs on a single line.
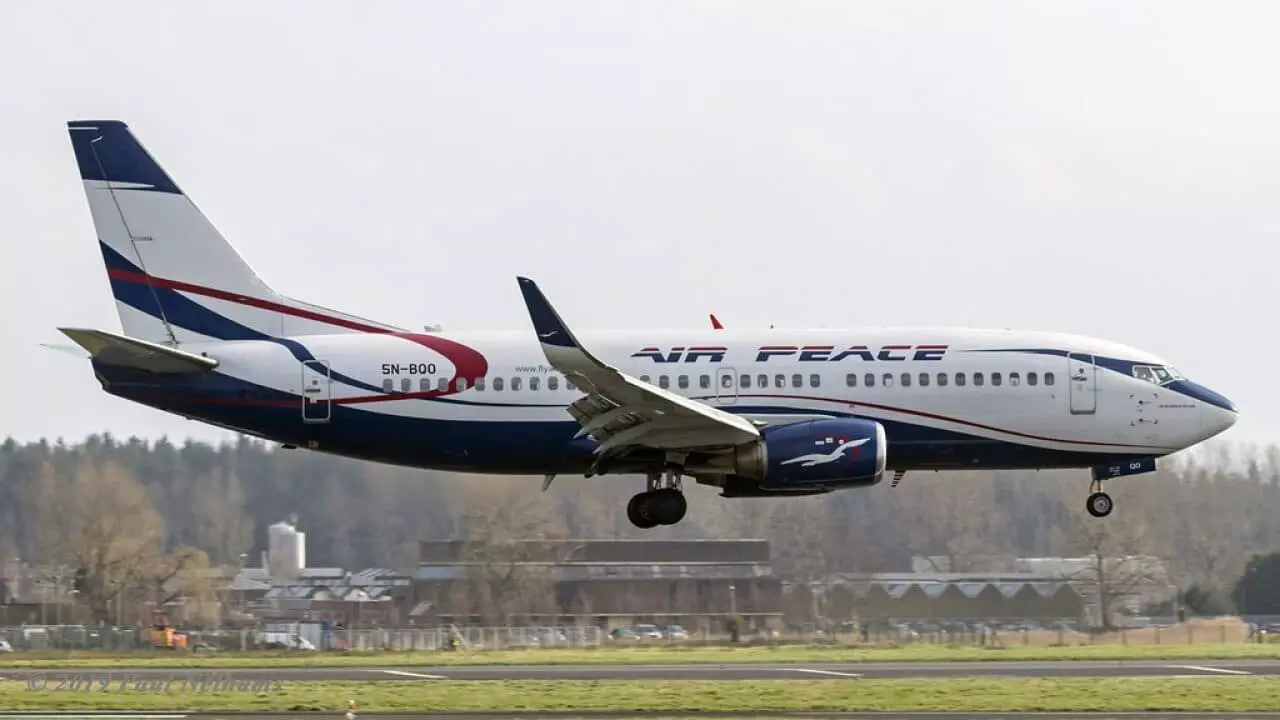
[[950, 632], [81, 637]]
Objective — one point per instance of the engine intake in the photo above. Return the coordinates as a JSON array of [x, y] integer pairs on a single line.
[[814, 455]]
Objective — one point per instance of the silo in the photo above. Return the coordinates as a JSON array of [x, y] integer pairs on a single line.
[[285, 552]]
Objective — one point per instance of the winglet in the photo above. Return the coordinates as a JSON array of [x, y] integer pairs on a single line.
[[715, 324], [546, 321]]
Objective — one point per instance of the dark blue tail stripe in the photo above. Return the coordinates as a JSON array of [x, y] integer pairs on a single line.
[[107, 150]]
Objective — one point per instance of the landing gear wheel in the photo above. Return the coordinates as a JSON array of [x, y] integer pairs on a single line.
[[671, 506], [640, 511], [1099, 504], [663, 503]]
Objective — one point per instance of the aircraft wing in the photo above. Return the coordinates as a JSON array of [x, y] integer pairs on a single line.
[[621, 412], [130, 352]]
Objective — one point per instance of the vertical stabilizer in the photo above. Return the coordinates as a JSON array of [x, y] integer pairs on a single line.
[[174, 277]]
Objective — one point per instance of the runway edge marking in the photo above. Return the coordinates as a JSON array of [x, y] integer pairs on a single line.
[[1207, 669], [832, 673], [406, 673]]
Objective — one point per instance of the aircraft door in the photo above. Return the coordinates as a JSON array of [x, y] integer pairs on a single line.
[[1082, 375], [316, 393], [726, 385]]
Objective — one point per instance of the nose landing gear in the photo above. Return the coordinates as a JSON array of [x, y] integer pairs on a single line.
[[1099, 504], [663, 503]]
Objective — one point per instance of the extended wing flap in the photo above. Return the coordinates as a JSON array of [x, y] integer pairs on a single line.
[[123, 351], [622, 410]]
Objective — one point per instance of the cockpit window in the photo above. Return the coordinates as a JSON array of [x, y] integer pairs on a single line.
[[1156, 374]]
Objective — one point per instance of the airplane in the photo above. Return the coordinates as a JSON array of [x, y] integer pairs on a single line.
[[753, 413]]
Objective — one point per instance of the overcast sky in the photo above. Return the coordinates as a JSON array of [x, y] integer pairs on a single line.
[[1105, 168]]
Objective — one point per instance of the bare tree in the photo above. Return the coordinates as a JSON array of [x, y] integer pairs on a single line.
[[98, 521], [223, 529], [956, 519], [1116, 564], [503, 527]]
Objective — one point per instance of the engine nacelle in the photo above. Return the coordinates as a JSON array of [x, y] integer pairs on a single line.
[[814, 455]]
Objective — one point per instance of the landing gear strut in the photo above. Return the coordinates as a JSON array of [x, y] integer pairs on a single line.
[[1099, 503], [662, 503]]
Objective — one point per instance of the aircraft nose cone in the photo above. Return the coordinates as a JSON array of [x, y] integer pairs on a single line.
[[1217, 413]]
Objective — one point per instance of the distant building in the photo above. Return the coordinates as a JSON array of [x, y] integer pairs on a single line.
[[695, 583], [959, 596]]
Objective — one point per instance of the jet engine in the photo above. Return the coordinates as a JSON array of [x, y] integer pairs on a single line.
[[809, 457]]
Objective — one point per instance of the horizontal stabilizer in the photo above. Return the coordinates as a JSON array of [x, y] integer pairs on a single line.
[[72, 350], [113, 349]]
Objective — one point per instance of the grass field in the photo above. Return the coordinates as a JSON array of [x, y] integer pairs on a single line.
[[979, 695], [641, 656]]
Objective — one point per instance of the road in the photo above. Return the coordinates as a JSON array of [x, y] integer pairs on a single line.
[[709, 671]]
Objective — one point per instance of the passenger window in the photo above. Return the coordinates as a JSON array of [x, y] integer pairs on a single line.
[[762, 381], [815, 380], [745, 381], [780, 381], [424, 385], [1032, 378], [906, 379], [977, 379], [663, 382], [1048, 378], [682, 382], [924, 379], [959, 379], [515, 383], [851, 379], [568, 384], [704, 382], [480, 383], [462, 384], [797, 380], [406, 385], [1014, 381], [497, 383], [553, 382], [869, 380], [726, 381], [533, 384], [442, 384], [942, 379], [995, 378], [645, 378], [887, 380], [387, 385]]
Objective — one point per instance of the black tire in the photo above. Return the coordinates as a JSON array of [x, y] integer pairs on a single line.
[[1099, 504]]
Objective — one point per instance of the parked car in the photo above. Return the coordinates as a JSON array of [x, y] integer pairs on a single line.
[[648, 632], [622, 634], [675, 632]]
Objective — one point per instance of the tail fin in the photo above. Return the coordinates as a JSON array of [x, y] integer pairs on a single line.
[[174, 277]]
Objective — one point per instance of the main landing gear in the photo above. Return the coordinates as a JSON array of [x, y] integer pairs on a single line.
[[1099, 503], [662, 503]]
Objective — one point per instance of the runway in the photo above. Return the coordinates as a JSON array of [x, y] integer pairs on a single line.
[[707, 671], [589, 715]]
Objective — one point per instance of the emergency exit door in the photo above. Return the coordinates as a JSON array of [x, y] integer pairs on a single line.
[[316, 397]]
